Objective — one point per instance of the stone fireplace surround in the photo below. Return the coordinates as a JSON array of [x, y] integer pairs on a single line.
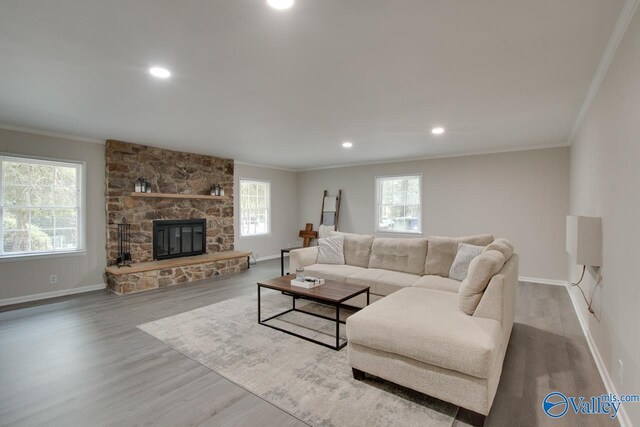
[[169, 172]]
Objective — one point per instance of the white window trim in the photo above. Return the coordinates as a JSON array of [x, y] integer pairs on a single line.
[[80, 183], [252, 236], [377, 205]]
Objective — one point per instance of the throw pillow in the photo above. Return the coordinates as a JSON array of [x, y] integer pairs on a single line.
[[481, 270], [331, 250], [460, 266]]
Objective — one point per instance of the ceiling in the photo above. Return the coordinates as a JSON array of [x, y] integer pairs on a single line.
[[285, 88]]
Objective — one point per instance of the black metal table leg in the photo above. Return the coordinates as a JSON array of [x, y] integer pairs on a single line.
[[367, 296], [258, 303], [281, 262], [338, 326]]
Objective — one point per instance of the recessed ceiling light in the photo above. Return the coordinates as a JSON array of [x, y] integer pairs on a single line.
[[347, 144], [281, 4], [437, 131], [159, 72]]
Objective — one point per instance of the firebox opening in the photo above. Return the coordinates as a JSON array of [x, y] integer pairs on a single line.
[[179, 238]]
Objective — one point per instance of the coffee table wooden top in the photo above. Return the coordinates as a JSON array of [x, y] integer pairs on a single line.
[[332, 290]]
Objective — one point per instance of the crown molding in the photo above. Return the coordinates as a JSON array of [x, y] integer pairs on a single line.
[[257, 165], [443, 156], [51, 134], [624, 19]]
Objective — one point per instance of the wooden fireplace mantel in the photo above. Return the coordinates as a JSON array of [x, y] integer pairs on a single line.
[[178, 196]]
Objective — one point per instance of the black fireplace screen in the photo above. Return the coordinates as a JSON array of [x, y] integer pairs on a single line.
[[178, 238]]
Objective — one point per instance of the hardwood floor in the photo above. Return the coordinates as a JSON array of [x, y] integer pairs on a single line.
[[81, 361]]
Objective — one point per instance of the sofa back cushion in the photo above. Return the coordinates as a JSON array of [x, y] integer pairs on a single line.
[[481, 270], [501, 245], [442, 251], [405, 255], [357, 248]]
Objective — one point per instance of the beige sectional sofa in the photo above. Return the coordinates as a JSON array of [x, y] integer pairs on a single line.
[[424, 330]]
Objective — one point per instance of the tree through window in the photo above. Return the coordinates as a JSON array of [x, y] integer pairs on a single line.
[[255, 212], [398, 207], [40, 206]]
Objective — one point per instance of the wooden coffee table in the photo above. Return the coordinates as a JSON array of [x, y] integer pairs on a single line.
[[332, 293]]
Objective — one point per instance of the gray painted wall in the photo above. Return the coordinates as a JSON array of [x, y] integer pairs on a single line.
[[605, 178], [24, 277], [284, 211], [31, 276], [523, 196]]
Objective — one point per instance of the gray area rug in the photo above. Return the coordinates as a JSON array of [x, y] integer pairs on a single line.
[[311, 382]]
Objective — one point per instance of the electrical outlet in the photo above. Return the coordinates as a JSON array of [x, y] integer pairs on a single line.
[[53, 279], [620, 365]]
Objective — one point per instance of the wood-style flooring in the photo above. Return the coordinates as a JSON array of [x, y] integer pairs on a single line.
[[81, 361]]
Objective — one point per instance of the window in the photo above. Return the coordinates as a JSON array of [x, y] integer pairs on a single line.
[[398, 208], [255, 209], [40, 206]]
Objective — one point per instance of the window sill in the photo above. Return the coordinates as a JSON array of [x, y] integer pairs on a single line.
[[40, 256], [253, 236]]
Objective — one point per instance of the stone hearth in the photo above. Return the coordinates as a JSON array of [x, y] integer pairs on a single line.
[[159, 274]]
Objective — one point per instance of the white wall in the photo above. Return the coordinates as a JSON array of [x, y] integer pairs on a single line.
[[284, 211], [31, 276], [605, 182], [522, 196]]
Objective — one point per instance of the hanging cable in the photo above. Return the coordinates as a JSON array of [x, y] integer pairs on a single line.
[[577, 285]]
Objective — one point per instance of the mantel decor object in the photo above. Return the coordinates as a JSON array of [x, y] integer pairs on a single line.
[[142, 186]]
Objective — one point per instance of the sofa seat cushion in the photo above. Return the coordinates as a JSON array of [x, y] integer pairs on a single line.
[[383, 282], [427, 326], [438, 283], [332, 271]]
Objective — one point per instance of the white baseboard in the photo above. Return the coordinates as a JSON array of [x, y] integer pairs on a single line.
[[47, 295], [543, 281], [623, 417], [268, 257]]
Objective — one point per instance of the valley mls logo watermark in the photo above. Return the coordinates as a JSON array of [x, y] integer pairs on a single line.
[[556, 404]]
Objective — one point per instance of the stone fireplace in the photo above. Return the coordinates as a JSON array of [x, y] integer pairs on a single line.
[[169, 172], [179, 212]]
